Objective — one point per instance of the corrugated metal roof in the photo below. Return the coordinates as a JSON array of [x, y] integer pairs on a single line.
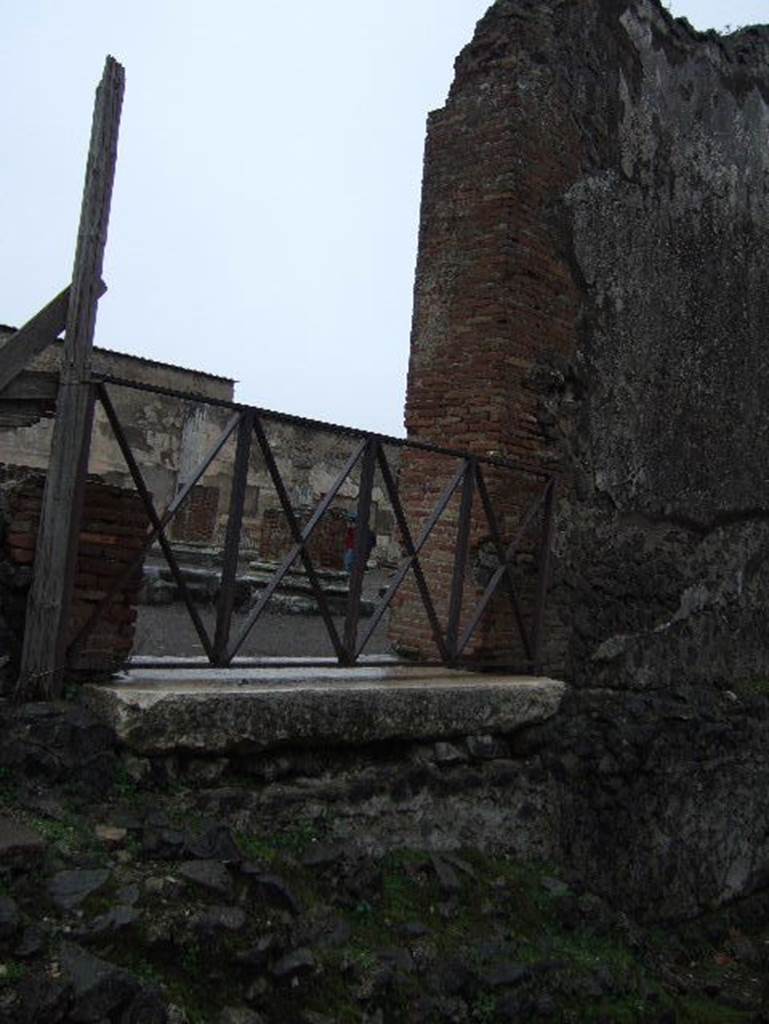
[[159, 362]]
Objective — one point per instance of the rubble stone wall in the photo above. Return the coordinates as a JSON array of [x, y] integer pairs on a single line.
[[592, 296], [659, 802]]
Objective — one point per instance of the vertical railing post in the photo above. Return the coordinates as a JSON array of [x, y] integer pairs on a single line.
[[460, 559], [226, 601], [362, 532], [543, 572], [50, 599]]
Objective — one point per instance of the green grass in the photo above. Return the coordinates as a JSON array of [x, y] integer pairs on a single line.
[[191, 959], [502, 902], [11, 972], [484, 1009], [180, 977], [70, 836], [124, 785], [758, 687], [291, 842], [257, 848], [363, 958], [587, 953], [407, 885], [700, 1011], [8, 787], [145, 970]]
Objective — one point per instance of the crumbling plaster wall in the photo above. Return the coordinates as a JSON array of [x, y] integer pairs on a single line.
[[310, 462], [592, 295], [158, 428], [170, 437]]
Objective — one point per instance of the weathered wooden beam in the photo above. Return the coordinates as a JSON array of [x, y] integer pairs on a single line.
[[28, 399], [29, 386], [21, 414], [31, 339], [21, 347], [49, 605]]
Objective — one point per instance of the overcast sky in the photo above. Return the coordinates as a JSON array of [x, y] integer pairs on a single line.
[[265, 212]]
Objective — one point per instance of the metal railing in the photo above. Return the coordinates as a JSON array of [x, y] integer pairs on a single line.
[[369, 455]]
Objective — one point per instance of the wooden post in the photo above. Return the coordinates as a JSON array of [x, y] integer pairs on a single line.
[[50, 599]]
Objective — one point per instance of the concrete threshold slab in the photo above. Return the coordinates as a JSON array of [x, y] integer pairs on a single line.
[[222, 712]]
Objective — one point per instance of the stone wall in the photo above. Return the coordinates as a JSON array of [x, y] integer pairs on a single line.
[[112, 532], [658, 802], [169, 438], [326, 547], [310, 461], [592, 296]]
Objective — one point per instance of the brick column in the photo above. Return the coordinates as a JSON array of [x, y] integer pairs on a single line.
[[113, 528], [494, 295]]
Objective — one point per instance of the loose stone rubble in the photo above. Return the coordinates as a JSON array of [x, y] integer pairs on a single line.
[[154, 892]]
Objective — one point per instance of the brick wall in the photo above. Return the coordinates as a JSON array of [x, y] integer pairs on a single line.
[[494, 292], [592, 295], [326, 545], [112, 532], [196, 520]]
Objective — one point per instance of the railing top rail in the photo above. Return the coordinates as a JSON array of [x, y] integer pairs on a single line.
[[332, 428]]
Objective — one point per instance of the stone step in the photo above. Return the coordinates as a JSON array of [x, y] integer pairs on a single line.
[[218, 712]]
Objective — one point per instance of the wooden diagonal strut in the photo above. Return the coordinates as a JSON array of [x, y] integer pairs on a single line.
[[50, 599], [31, 339], [34, 337]]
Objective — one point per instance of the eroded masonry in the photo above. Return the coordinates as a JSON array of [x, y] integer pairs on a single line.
[[592, 296], [171, 437]]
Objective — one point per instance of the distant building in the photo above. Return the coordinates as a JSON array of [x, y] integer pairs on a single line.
[[169, 437]]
